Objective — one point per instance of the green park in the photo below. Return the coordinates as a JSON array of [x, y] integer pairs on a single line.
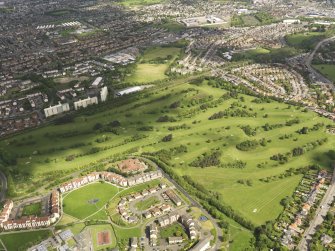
[[212, 124]]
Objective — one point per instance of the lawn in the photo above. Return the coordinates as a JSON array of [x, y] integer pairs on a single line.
[[207, 224], [250, 20], [22, 241], [328, 70], [146, 204], [85, 201], [66, 219], [127, 233], [33, 209], [153, 64], [146, 73], [155, 53], [173, 230]]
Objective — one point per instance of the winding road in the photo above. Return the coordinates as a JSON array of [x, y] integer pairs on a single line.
[[308, 62]]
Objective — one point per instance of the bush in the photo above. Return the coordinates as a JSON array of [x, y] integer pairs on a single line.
[[247, 145], [206, 160], [167, 138], [166, 119]]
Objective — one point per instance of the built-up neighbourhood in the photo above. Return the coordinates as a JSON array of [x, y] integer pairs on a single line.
[[307, 197], [54, 213], [170, 209]]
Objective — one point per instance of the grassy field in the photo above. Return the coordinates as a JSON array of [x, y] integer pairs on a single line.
[[173, 230], [130, 3], [172, 26], [306, 40], [126, 233], [66, 219], [153, 65], [155, 53], [145, 73], [81, 202], [146, 204], [33, 209], [22, 241], [328, 70]]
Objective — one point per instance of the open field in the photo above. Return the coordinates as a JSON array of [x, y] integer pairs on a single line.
[[22, 241], [306, 40], [83, 202], [156, 53], [258, 200], [130, 3], [145, 73], [126, 233], [153, 65], [33, 209], [328, 70]]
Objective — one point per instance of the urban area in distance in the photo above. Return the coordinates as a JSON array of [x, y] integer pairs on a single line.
[[167, 125]]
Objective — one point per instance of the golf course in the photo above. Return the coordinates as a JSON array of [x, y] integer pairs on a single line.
[[252, 150]]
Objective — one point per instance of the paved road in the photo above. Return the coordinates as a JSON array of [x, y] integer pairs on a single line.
[[219, 232], [3, 191], [308, 62], [320, 213]]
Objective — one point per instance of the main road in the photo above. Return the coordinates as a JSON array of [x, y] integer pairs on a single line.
[[320, 213], [308, 62]]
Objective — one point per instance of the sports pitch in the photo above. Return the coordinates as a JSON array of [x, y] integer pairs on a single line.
[[87, 200]]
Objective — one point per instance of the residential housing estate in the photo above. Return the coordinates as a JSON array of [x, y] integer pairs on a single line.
[[31, 221], [54, 211]]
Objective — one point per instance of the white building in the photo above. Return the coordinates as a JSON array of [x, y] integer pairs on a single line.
[[97, 82], [104, 93], [202, 245], [291, 21], [85, 102], [57, 109], [129, 90]]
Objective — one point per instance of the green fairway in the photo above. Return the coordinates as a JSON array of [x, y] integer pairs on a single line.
[[22, 241], [33, 209], [85, 201], [328, 70]]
